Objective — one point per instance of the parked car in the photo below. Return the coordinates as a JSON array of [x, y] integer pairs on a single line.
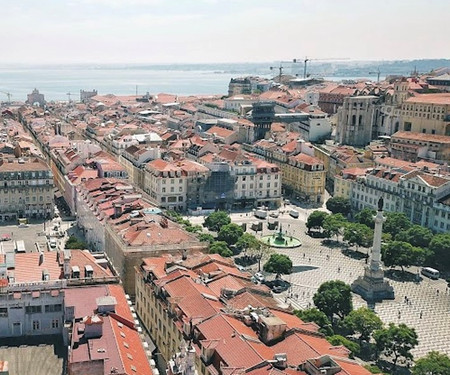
[[259, 277], [274, 214], [294, 214]]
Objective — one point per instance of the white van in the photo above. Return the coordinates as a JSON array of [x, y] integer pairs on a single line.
[[430, 272], [294, 213]]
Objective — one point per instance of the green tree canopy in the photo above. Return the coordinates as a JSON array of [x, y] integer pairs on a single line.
[[365, 216], [230, 233], [434, 363], [416, 236], [403, 254], [396, 222], [333, 225], [334, 298], [248, 241], [396, 341], [440, 246], [358, 234], [279, 264], [339, 205], [206, 237], [217, 220], [316, 316], [221, 248], [363, 321], [341, 340], [75, 243], [315, 220]]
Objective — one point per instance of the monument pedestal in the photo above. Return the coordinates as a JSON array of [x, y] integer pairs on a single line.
[[372, 286]]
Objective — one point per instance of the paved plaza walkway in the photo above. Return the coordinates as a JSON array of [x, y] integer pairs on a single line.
[[428, 309]]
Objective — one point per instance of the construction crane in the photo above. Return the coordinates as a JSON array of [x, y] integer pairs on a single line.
[[8, 94], [377, 73], [280, 68], [305, 62], [69, 94]]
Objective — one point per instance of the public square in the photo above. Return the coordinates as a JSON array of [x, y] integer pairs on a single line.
[[428, 309]]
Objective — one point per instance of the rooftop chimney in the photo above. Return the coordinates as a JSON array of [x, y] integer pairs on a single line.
[[93, 327]]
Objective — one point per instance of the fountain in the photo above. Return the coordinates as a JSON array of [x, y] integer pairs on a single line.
[[281, 240]]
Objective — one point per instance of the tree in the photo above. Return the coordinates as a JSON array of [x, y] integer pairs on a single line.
[[358, 234], [334, 298], [221, 248], [259, 253], [341, 340], [193, 228], [217, 220], [434, 363], [230, 233], [206, 237], [318, 317], [315, 220], [333, 225], [365, 216], [396, 341], [339, 205], [403, 254], [416, 236], [279, 264], [75, 243], [440, 246], [396, 222], [363, 321], [248, 241]]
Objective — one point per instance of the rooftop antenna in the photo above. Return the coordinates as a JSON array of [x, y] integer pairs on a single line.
[[69, 95], [136, 90]]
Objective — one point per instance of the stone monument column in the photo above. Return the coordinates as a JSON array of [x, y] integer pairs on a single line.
[[372, 286]]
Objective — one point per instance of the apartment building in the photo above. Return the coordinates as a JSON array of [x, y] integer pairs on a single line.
[[33, 289], [422, 196], [117, 220], [427, 113], [27, 189], [229, 321], [413, 146], [304, 176]]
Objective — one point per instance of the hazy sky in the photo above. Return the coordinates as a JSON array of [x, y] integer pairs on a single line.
[[179, 31]]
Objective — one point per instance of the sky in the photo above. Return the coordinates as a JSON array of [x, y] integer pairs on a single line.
[[206, 31]]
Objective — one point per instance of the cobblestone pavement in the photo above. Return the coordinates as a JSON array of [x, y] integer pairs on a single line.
[[428, 309]]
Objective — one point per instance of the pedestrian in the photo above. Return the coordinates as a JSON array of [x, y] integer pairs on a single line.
[[309, 260], [399, 314], [303, 255], [339, 269], [437, 292], [320, 251], [406, 299], [328, 257], [421, 314]]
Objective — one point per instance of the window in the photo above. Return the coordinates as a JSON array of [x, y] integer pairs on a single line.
[[36, 325], [163, 189], [53, 308], [172, 189], [55, 323], [33, 309], [3, 312], [172, 181]]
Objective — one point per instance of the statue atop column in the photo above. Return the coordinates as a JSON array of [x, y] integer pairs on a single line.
[[380, 204]]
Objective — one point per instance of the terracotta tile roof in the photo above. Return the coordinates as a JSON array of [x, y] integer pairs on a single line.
[[438, 99], [29, 269], [32, 165], [220, 132], [233, 350], [421, 137], [306, 159], [296, 349]]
